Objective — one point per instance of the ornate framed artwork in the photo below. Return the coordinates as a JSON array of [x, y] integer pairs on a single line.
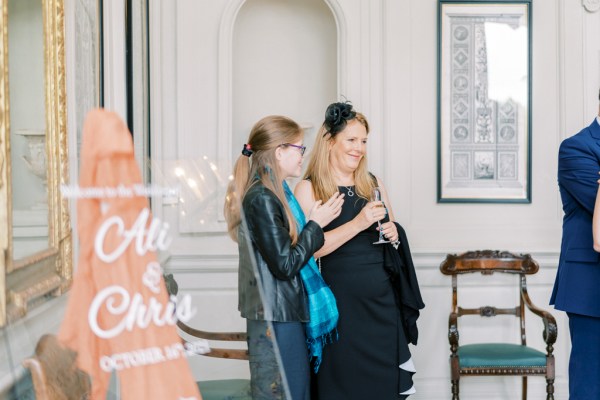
[[484, 101]]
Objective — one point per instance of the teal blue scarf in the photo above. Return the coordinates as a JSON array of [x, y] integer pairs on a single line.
[[323, 312]]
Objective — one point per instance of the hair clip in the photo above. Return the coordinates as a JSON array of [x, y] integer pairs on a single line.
[[337, 116], [247, 150]]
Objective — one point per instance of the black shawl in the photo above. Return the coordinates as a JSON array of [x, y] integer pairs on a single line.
[[399, 266]]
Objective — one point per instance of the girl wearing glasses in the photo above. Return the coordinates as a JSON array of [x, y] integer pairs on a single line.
[[281, 293]]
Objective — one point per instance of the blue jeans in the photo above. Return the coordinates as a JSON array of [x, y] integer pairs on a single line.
[[265, 370]]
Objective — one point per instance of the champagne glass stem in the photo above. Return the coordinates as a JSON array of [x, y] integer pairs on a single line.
[[376, 196]]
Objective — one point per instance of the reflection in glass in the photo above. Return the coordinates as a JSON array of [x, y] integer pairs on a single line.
[[36, 232], [507, 61], [87, 67], [190, 194], [27, 122]]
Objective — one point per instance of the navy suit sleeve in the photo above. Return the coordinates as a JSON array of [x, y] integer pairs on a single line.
[[269, 232], [578, 168]]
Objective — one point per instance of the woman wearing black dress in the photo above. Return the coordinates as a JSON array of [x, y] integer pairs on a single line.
[[371, 359]]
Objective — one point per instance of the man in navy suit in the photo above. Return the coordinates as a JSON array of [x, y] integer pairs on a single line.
[[577, 285]]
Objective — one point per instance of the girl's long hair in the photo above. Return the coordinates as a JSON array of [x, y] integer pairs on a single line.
[[319, 170], [266, 136]]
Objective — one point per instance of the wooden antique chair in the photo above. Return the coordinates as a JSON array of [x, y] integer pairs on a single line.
[[54, 362], [230, 389], [221, 389], [54, 372], [498, 358], [51, 362]]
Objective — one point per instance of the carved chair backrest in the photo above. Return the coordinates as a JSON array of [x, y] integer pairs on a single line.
[[488, 262], [54, 372], [230, 353], [233, 353]]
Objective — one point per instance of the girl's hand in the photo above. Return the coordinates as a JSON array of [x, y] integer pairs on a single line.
[[323, 214]]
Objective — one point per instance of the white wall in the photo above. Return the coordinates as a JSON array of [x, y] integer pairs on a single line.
[[387, 66]]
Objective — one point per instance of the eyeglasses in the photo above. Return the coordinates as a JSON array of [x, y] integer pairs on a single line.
[[301, 148]]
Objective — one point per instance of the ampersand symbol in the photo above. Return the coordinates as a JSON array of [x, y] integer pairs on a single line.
[[151, 277]]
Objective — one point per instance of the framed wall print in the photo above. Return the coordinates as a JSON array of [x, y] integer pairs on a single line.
[[484, 101]]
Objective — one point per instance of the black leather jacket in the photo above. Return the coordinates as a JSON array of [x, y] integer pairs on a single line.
[[264, 241]]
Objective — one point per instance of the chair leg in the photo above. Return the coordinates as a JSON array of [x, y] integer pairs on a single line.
[[550, 389], [455, 389]]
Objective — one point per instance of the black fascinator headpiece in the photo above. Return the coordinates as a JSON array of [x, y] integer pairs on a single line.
[[337, 116]]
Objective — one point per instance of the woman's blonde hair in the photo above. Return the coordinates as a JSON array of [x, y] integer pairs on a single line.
[[319, 170], [266, 136]]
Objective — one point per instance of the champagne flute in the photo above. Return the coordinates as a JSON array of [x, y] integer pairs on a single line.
[[376, 196]]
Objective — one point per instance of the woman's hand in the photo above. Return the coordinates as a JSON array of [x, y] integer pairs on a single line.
[[372, 212], [390, 231], [323, 214]]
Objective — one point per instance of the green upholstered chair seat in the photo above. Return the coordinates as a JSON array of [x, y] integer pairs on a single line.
[[499, 355], [225, 389]]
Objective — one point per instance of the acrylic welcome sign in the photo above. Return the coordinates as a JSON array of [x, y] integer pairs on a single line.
[[119, 315]]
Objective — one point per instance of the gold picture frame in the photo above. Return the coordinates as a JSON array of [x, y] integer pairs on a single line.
[[32, 279]]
